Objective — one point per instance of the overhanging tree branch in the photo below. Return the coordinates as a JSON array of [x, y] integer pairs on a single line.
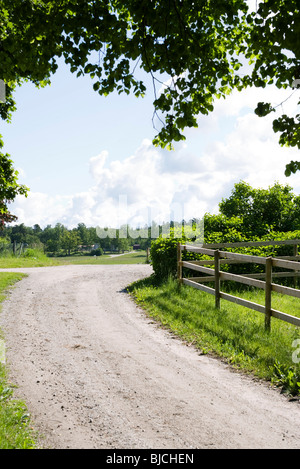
[[203, 38]]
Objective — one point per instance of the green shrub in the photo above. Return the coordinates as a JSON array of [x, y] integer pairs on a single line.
[[163, 254], [96, 252], [30, 253], [35, 253]]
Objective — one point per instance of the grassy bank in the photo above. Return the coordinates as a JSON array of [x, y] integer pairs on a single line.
[[34, 258], [234, 333], [15, 429]]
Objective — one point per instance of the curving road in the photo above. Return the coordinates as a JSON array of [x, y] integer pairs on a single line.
[[97, 373]]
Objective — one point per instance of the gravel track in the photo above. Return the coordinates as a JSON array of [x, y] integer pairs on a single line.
[[96, 372]]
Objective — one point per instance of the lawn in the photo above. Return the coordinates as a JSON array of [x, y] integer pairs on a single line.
[[138, 257]]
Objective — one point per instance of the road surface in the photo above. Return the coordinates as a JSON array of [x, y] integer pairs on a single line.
[[96, 372]]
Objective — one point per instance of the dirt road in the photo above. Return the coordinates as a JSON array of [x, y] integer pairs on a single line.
[[97, 373]]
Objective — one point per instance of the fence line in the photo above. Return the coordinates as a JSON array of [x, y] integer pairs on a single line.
[[216, 275]]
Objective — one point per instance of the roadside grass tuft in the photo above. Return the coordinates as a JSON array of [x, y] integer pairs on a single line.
[[15, 427]]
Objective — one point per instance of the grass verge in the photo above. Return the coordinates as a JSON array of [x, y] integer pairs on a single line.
[[39, 259], [15, 428], [234, 333], [35, 259]]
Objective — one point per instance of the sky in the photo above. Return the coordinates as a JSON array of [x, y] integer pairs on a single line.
[[90, 159]]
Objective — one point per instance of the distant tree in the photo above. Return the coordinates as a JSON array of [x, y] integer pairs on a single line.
[[51, 237], [52, 245], [122, 244], [93, 237], [19, 233], [84, 234], [37, 229], [69, 241]]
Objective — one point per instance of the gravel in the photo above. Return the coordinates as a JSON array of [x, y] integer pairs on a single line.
[[96, 372]]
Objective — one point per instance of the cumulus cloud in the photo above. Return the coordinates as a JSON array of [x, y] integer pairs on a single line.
[[40, 208], [230, 145], [141, 186]]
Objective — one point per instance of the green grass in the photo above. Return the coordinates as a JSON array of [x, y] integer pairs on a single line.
[[127, 258], [15, 427], [34, 258], [234, 333], [39, 259]]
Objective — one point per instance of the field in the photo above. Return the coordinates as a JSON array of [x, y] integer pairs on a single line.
[[41, 260], [138, 257]]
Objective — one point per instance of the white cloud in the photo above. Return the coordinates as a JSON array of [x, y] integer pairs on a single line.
[[230, 145], [40, 208], [142, 182], [252, 152]]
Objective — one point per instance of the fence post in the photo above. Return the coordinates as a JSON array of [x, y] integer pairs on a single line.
[[217, 278], [295, 254], [179, 265], [268, 294]]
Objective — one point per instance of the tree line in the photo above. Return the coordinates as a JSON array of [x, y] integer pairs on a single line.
[[247, 214], [60, 240]]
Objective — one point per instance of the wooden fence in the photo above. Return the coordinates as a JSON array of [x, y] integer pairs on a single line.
[[214, 274]]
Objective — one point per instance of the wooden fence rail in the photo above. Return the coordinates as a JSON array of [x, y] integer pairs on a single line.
[[214, 274]]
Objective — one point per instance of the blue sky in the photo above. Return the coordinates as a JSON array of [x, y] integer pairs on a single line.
[[90, 159]]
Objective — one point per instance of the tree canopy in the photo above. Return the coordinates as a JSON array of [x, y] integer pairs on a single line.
[[262, 210], [206, 48], [9, 187]]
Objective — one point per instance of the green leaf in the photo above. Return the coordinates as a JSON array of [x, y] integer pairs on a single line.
[[263, 109]]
